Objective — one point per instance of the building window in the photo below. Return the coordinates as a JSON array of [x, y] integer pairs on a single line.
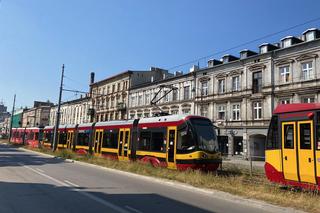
[[112, 103], [147, 99], [284, 74], [263, 49], [307, 99], [186, 111], [310, 36], [186, 94], [107, 104], [307, 72], [221, 86], [284, 101], [236, 112], [286, 43], [166, 97], [257, 82], [236, 83], [204, 88], [140, 100], [174, 112], [257, 110], [204, 110], [133, 101], [108, 90], [221, 112], [175, 95]]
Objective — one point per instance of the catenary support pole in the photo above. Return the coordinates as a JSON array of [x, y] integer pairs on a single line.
[[56, 127], [11, 120]]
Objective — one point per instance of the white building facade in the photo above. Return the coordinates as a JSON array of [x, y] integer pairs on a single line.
[[72, 112]]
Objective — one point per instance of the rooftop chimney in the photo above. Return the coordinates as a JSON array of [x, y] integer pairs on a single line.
[[91, 77]]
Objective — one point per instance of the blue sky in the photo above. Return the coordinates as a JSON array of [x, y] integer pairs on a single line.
[[110, 36]]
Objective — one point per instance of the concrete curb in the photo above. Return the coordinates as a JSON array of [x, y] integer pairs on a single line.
[[209, 192]]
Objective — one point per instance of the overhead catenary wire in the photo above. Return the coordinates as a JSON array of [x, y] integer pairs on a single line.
[[243, 44]]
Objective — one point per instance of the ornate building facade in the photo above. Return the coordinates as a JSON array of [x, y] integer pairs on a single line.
[[239, 93], [110, 96]]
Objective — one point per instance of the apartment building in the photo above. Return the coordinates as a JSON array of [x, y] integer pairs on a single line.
[[110, 95], [173, 95], [239, 93], [37, 116]]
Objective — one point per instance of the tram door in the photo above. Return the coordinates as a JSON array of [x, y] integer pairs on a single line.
[[70, 136], [171, 144], [98, 137], [289, 153], [306, 152], [123, 144]]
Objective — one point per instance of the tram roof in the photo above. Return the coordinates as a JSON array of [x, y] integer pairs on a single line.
[[114, 123], [167, 118], [285, 108]]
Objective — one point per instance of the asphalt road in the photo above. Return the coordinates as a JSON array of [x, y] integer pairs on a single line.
[[31, 182]]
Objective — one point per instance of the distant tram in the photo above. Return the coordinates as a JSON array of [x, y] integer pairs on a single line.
[[173, 141], [293, 146], [26, 136]]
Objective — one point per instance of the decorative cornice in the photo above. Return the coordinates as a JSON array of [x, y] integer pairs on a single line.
[[185, 105], [205, 78], [284, 61], [221, 75], [307, 56], [236, 72], [256, 67]]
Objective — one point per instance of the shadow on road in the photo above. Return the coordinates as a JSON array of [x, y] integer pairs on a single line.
[[36, 198], [11, 156]]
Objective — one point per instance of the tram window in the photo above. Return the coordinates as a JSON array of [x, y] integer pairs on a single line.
[[110, 139], [272, 139], [318, 131], [145, 141], [83, 138], [47, 137], [157, 141], [30, 136], [62, 138], [288, 136], [185, 139], [37, 136], [305, 136]]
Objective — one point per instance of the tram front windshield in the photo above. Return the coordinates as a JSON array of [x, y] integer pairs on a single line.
[[206, 136]]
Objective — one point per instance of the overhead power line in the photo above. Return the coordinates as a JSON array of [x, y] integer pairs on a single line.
[[245, 43]]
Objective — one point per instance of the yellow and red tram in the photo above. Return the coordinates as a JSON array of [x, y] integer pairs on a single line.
[[293, 146], [174, 141]]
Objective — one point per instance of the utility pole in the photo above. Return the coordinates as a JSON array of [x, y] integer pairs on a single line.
[[55, 135], [11, 120]]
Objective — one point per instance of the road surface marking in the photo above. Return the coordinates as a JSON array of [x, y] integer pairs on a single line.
[[133, 209], [70, 183], [39, 170], [97, 199]]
